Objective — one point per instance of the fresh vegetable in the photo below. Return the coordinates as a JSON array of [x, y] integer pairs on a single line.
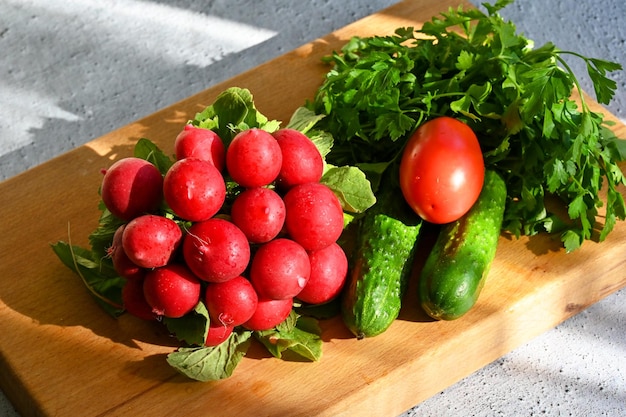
[[195, 142], [134, 300], [466, 65], [216, 250], [130, 187], [474, 66], [442, 170], [456, 268], [217, 334], [280, 269], [171, 290], [121, 262], [231, 303], [150, 241], [380, 265], [302, 161], [260, 214], [269, 313], [329, 268], [183, 260], [253, 158], [314, 216], [194, 189]]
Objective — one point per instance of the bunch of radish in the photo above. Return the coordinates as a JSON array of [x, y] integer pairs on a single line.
[[246, 229]]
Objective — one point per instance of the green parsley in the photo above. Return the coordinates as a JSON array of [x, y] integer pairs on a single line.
[[517, 98]]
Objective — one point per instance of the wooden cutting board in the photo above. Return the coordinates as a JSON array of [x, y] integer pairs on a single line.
[[60, 355]]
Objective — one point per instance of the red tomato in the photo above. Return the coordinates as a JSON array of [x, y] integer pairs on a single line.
[[442, 170]]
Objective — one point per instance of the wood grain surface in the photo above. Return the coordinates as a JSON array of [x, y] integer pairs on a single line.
[[61, 355]]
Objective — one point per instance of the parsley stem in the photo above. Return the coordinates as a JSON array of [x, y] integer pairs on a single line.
[[558, 56]]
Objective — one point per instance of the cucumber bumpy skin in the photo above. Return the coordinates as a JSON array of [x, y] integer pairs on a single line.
[[380, 268], [456, 268]]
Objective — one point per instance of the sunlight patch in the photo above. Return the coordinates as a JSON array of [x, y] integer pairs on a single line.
[[23, 111]]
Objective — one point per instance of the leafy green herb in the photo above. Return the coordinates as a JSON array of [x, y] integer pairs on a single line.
[[211, 363], [517, 98]]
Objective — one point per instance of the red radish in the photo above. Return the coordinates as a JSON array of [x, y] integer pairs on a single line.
[[302, 161], [121, 262], [269, 314], [117, 239], [172, 290], [280, 269], [231, 303], [131, 187], [259, 213], [218, 334], [314, 215], [253, 158], [135, 302], [194, 189], [150, 240], [125, 267], [329, 268], [216, 250], [196, 142]]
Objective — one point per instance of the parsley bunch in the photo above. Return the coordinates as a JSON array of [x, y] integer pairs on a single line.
[[518, 99]]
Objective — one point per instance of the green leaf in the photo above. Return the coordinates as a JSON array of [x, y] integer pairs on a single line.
[[232, 111], [211, 363], [394, 124], [463, 106], [374, 173], [616, 145], [603, 86], [572, 239], [493, 9], [538, 91], [616, 209], [235, 106], [303, 119], [549, 127], [146, 149], [508, 37], [577, 208], [557, 175], [302, 338], [322, 140], [97, 275], [101, 238], [192, 328], [465, 60], [351, 186]]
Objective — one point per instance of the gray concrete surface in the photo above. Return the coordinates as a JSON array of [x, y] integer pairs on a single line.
[[73, 70]]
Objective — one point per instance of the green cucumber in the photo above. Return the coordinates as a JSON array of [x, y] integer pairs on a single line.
[[455, 270], [381, 265]]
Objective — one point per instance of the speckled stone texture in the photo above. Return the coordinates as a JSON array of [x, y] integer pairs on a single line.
[[73, 70]]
